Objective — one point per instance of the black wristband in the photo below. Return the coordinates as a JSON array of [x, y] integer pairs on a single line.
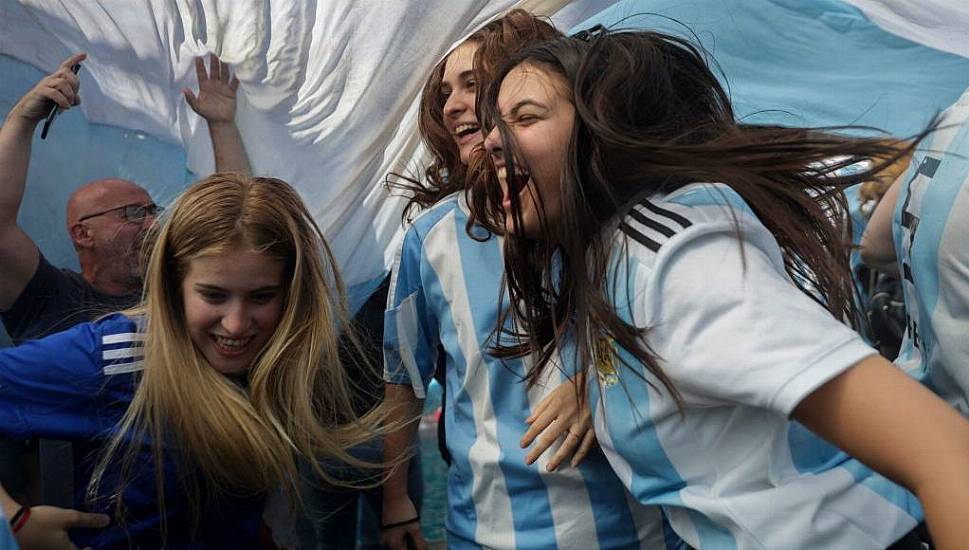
[[400, 523], [16, 517]]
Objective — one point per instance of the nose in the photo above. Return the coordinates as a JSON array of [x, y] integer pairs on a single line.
[[492, 143], [236, 319], [456, 104]]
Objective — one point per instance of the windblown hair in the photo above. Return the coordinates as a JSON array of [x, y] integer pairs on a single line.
[[240, 436], [447, 174], [651, 117]]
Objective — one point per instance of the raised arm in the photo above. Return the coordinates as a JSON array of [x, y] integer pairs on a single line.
[[890, 422], [18, 253], [216, 103]]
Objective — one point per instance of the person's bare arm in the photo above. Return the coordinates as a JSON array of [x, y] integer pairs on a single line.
[[398, 509], [877, 244], [18, 253], [216, 103], [879, 415]]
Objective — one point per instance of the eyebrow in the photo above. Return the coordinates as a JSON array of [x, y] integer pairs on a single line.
[[462, 76], [524, 103], [203, 286]]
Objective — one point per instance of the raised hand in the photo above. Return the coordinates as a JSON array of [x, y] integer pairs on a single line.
[[59, 87], [216, 100]]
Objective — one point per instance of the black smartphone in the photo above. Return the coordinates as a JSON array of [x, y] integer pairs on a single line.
[[55, 109]]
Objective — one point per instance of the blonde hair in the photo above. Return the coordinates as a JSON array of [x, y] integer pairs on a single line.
[[242, 437]]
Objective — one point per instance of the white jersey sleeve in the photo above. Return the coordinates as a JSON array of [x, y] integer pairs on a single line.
[[729, 325]]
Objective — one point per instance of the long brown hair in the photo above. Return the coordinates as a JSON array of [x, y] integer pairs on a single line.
[[497, 41], [650, 117]]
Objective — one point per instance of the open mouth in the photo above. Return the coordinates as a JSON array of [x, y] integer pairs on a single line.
[[513, 185], [231, 347], [466, 130]]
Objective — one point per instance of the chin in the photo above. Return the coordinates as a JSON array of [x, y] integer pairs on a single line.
[[229, 367]]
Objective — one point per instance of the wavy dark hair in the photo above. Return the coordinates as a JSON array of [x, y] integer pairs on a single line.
[[497, 41], [651, 117]]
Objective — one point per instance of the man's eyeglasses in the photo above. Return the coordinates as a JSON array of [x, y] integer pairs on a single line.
[[130, 212]]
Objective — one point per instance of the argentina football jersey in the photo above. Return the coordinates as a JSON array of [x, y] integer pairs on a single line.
[[743, 346], [930, 227], [445, 291]]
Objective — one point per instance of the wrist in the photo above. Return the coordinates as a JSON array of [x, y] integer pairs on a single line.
[[20, 123], [221, 125], [19, 519]]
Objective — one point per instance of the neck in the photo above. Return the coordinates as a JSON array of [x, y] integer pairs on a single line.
[[106, 280]]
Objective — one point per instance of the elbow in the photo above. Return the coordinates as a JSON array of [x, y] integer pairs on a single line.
[[879, 256]]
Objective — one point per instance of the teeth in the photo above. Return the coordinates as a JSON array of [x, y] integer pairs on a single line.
[[503, 173], [231, 342], [466, 128]]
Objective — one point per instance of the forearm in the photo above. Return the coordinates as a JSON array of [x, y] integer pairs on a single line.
[[877, 244], [9, 505], [15, 143], [230, 153], [903, 431], [399, 443]]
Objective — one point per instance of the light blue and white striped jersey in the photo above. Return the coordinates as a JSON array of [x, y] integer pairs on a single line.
[[445, 290], [931, 232], [743, 346]]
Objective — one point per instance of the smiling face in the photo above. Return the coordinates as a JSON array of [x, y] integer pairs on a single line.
[[458, 87], [535, 106], [233, 302]]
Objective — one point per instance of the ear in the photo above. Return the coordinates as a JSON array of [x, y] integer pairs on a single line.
[[81, 236]]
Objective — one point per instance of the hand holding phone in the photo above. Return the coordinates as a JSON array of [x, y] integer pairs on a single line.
[[55, 108]]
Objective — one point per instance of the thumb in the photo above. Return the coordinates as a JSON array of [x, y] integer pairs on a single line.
[[84, 520]]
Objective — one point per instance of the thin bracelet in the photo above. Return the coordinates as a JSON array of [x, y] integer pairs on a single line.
[[19, 519], [400, 523]]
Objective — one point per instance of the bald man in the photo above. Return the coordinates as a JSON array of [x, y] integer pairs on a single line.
[[106, 221]]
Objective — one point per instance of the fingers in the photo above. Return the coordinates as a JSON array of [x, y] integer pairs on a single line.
[[234, 83], [588, 441], [214, 67], [190, 99], [564, 451], [538, 410], [200, 70], [223, 70], [83, 520], [538, 425], [416, 537], [396, 538], [73, 60], [554, 432]]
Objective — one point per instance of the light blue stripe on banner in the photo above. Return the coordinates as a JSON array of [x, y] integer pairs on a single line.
[[807, 62]]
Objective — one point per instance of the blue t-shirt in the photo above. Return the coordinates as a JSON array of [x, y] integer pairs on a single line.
[[75, 386]]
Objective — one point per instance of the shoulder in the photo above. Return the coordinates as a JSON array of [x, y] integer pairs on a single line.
[[424, 222], [655, 226]]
